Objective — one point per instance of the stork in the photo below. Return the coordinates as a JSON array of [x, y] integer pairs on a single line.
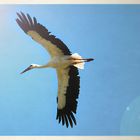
[[65, 63]]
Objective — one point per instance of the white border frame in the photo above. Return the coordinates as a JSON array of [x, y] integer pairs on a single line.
[[69, 2]]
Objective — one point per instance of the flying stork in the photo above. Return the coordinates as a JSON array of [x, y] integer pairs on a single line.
[[65, 63]]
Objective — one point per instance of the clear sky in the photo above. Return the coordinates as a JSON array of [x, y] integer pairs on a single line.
[[109, 101]]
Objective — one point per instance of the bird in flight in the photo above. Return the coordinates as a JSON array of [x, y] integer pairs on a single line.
[[65, 63]]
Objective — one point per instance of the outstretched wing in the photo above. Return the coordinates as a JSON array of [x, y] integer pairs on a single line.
[[40, 34], [68, 91]]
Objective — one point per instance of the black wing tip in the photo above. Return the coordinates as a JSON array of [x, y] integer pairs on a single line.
[[20, 13], [67, 119], [25, 21], [27, 15]]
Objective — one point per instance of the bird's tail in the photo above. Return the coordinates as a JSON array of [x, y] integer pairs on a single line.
[[79, 61]]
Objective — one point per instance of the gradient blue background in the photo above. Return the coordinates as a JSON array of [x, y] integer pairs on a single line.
[[109, 101]]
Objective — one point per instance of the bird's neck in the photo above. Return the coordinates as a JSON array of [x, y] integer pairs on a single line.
[[42, 66]]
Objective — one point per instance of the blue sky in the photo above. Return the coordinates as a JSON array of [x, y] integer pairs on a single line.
[[109, 95]]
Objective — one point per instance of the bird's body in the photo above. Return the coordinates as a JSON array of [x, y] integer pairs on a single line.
[[65, 63], [60, 62]]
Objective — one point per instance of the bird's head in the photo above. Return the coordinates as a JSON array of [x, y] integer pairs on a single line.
[[32, 66]]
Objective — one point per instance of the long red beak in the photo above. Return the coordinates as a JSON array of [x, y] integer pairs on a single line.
[[27, 69]]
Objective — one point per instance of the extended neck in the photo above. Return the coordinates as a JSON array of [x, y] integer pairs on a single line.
[[41, 66], [32, 66]]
